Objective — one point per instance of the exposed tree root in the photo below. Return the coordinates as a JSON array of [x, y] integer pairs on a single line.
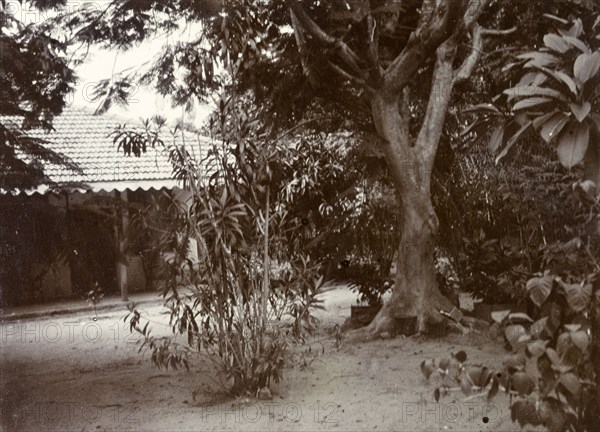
[[388, 323]]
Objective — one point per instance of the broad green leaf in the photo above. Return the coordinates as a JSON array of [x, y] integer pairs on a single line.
[[563, 343], [539, 59], [525, 412], [556, 18], [554, 126], [552, 415], [514, 334], [556, 43], [538, 327], [561, 77], [580, 110], [533, 90], [578, 295], [572, 327], [530, 103], [571, 382], [496, 138], [539, 121], [513, 140], [531, 367], [553, 357], [488, 107], [566, 79], [577, 43], [499, 316], [581, 340], [573, 143], [536, 348], [535, 78], [539, 289], [575, 31], [522, 383], [515, 362], [586, 66], [519, 318]]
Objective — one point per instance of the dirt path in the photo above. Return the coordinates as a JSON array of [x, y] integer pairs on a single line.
[[73, 373]]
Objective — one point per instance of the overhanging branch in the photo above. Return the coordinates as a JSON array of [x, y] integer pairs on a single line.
[[302, 20], [465, 70], [438, 22]]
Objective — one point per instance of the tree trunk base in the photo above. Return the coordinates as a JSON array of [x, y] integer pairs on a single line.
[[387, 323]]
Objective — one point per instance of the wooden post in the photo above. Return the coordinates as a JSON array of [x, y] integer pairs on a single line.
[[121, 230]]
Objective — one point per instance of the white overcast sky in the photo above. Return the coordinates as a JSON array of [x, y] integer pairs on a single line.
[[99, 65]]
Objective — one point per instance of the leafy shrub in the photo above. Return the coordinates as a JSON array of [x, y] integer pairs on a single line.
[[495, 220], [550, 374], [347, 207], [250, 295]]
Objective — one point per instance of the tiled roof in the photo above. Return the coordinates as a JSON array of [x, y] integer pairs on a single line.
[[84, 138]]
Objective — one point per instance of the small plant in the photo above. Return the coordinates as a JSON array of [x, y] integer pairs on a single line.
[[94, 296], [455, 373]]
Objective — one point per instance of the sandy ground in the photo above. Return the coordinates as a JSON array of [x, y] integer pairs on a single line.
[[70, 373]]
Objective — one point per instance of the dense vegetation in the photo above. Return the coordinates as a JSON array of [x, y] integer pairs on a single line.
[[355, 133]]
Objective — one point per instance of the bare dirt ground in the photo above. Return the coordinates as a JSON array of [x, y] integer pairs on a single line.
[[71, 373]]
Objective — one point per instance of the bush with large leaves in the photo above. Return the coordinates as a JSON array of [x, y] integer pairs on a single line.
[[557, 96]]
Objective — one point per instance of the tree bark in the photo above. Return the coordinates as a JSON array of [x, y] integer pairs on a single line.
[[410, 160], [415, 291]]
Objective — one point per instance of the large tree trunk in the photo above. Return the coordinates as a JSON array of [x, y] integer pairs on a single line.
[[410, 161], [415, 291]]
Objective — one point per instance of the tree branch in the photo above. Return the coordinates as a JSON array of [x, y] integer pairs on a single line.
[[375, 69], [348, 76], [438, 21], [301, 42], [437, 105], [302, 19], [465, 70]]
